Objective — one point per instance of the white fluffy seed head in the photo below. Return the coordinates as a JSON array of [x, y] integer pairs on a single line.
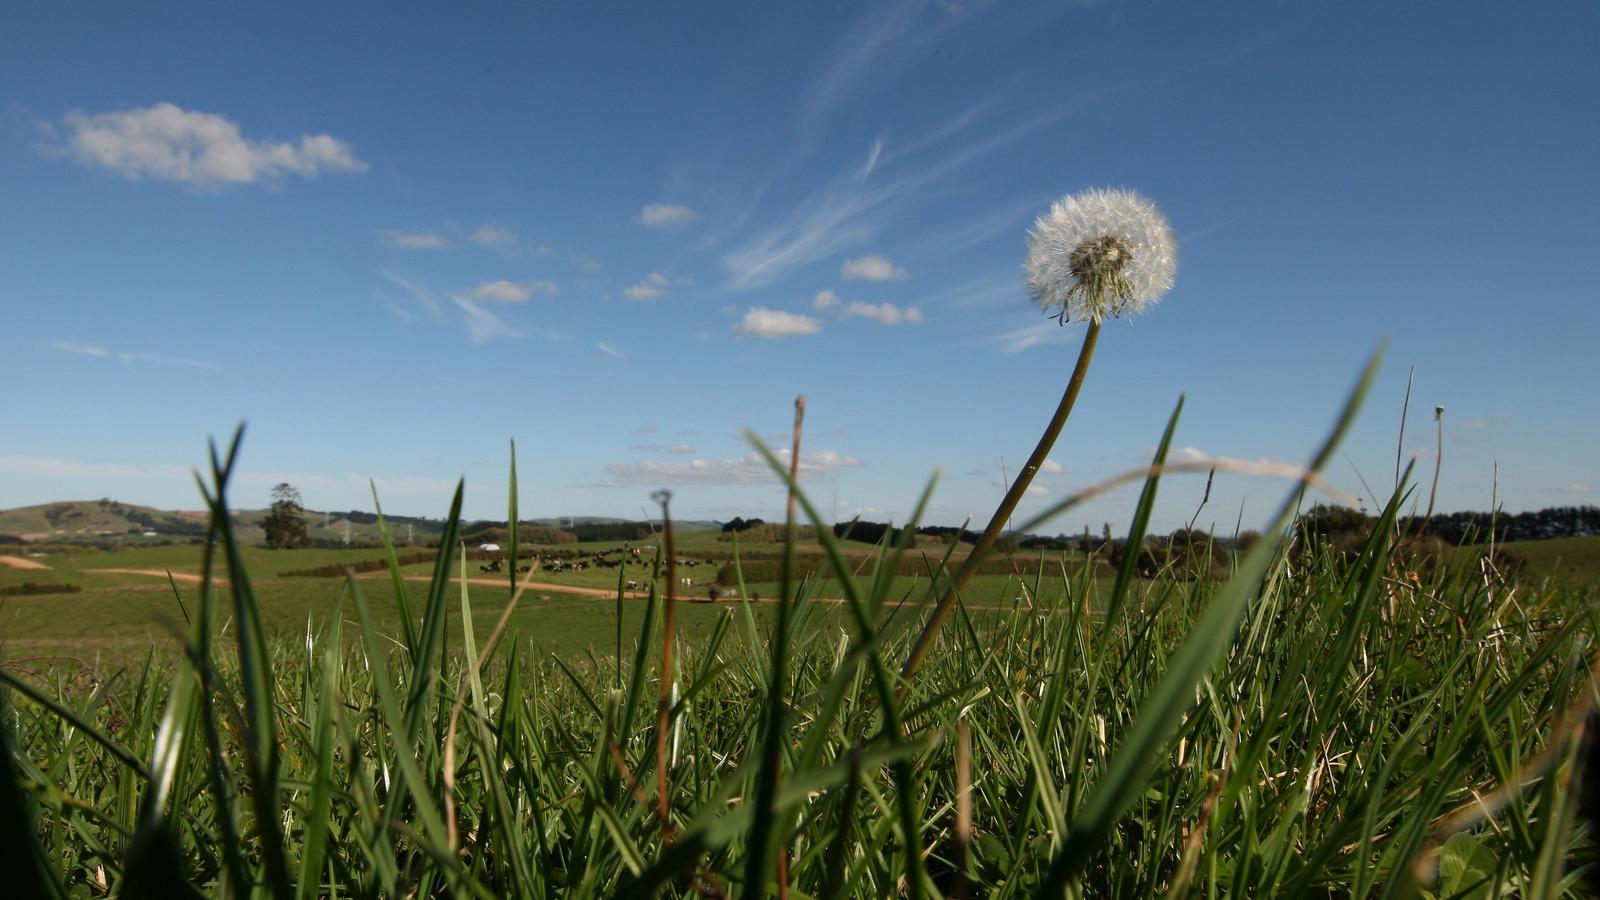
[[1099, 253]]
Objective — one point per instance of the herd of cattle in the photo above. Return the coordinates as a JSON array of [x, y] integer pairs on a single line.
[[556, 562]]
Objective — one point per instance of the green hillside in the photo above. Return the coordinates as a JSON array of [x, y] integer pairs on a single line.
[[93, 520], [1573, 560]]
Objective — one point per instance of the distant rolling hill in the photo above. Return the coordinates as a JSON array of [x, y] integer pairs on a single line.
[[99, 521]]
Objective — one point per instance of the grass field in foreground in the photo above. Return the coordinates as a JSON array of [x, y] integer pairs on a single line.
[[1317, 724]]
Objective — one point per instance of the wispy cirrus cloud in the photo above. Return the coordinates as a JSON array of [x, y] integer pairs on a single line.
[[609, 350], [76, 347], [165, 142], [749, 469], [416, 290], [131, 356], [851, 209], [481, 323], [163, 360], [1026, 337]]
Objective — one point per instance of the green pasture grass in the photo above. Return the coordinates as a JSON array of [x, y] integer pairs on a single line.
[[1313, 725]]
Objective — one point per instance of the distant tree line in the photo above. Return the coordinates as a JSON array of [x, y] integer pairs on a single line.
[[486, 533], [365, 518], [1553, 522], [612, 531], [874, 532], [1329, 522], [759, 532]]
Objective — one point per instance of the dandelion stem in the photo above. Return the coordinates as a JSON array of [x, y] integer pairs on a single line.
[[1007, 505]]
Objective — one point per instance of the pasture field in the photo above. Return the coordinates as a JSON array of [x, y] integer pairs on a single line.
[[126, 605], [120, 614]]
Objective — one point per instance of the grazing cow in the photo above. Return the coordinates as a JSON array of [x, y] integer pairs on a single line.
[[686, 582], [633, 585]]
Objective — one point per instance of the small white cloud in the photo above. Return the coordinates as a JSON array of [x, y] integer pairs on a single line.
[[654, 286], [872, 268], [771, 324], [1051, 467], [750, 469], [202, 150], [495, 237], [887, 313], [1474, 424], [666, 215], [681, 449], [503, 291], [824, 301], [1580, 487], [481, 324], [703, 336], [609, 350], [75, 347], [412, 240]]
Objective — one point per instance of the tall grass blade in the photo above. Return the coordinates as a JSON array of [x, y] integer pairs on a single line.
[[397, 578], [261, 732], [1141, 523]]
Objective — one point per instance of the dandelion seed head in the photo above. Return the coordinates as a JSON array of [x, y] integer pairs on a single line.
[[1098, 253]]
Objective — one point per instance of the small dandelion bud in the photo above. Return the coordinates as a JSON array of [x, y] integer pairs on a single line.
[[1100, 253]]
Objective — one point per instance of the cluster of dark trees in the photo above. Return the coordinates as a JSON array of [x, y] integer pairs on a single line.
[[285, 523], [739, 524]]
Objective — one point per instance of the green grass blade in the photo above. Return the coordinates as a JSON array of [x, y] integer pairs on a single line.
[[429, 654], [1140, 524], [402, 601]]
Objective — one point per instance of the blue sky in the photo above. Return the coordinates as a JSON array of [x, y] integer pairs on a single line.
[[393, 237]]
